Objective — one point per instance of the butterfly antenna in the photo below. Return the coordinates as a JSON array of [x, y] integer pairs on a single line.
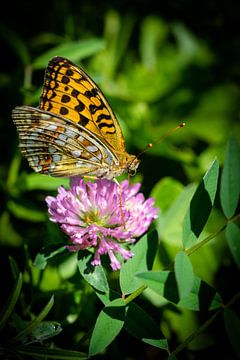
[[150, 145]]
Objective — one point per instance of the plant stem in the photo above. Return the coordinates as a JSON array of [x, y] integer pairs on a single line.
[[205, 325], [135, 294]]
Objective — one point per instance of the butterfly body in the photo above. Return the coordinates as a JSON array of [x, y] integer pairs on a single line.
[[74, 132]]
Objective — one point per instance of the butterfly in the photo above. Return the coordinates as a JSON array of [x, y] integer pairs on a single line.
[[74, 131]]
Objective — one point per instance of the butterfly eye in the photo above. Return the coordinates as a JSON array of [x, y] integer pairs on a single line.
[[133, 165], [132, 172]]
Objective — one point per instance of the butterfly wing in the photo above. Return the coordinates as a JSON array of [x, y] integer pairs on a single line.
[[57, 146], [68, 91]]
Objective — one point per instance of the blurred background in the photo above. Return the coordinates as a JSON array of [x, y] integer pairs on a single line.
[[158, 64]]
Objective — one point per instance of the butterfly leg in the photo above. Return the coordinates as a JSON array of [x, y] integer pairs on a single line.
[[121, 203]]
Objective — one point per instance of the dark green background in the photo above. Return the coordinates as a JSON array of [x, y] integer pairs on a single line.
[[161, 63]]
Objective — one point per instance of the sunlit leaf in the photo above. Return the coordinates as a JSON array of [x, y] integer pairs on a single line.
[[142, 326], [170, 226], [8, 234], [200, 206], [25, 213], [35, 181], [165, 192], [108, 297], [32, 324], [47, 253], [108, 325], [184, 274], [230, 180], [73, 50], [94, 275], [201, 297], [44, 330], [144, 252]]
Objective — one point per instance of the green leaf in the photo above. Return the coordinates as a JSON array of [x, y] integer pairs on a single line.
[[11, 302], [200, 206], [35, 181], [108, 297], [171, 357], [142, 326], [230, 180], [184, 274], [201, 297], [44, 330], [32, 325], [170, 225], [165, 192], [35, 351], [94, 275], [25, 213], [108, 325], [233, 240], [47, 253], [74, 50], [144, 252], [232, 325], [14, 267]]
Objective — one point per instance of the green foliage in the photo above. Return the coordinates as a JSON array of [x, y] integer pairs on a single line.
[[95, 275], [108, 325], [200, 297], [184, 274], [144, 252], [232, 323], [230, 186], [233, 236], [139, 324], [200, 206], [155, 73]]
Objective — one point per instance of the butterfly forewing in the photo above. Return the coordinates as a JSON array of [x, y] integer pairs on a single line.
[[69, 91]]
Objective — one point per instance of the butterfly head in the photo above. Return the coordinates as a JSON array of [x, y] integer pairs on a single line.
[[132, 164]]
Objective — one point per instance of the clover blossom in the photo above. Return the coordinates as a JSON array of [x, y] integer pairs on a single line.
[[102, 216]]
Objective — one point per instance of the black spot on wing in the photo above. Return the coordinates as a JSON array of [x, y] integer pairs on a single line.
[[63, 111], [69, 72], [65, 98], [91, 93], [83, 120], [103, 124], [103, 117], [75, 93], [80, 107], [65, 79]]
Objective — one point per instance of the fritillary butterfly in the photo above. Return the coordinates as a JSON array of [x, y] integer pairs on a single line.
[[74, 130]]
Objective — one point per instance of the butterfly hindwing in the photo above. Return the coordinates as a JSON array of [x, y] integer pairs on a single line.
[[59, 147]]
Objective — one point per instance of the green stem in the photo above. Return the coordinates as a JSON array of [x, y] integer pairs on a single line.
[[205, 325], [210, 237], [188, 252], [136, 293], [194, 248]]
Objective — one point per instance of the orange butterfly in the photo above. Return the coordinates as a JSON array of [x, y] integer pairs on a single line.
[[74, 131]]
